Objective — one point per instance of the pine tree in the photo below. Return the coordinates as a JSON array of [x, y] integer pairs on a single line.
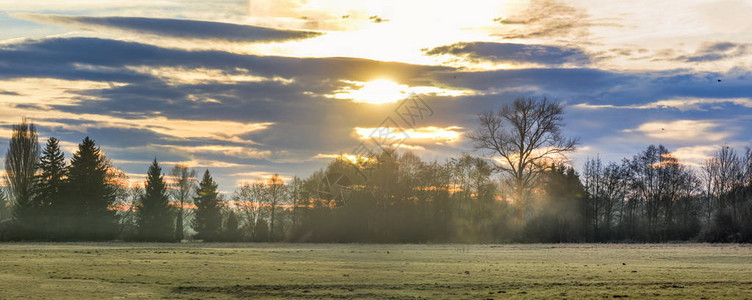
[[91, 193], [50, 182], [232, 227], [20, 165], [208, 219], [155, 219]]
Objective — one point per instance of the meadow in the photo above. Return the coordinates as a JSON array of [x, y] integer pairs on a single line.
[[215, 270]]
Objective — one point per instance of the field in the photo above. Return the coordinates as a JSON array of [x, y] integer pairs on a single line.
[[194, 270]]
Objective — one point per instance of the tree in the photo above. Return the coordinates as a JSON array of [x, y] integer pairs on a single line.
[[155, 219], [473, 198], [232, 227], [723, 173], [50, 184], [20, 166], [526, 136], [127, 215], [4, 211], [296, 195], [183, 183], [728, 181], [92, 191], [276, 195], [659, 181], [208, 218], [593, 181], [250, 199], [561, 214], [614, 191]]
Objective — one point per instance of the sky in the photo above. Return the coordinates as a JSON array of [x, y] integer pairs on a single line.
[[251, 88]]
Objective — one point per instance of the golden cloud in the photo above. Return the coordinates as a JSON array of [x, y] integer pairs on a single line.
[[429, 134], [682, 130]]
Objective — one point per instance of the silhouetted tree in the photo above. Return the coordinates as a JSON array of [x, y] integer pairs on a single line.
[[728, 187], [207, 221], [250, 199], [526, 137], [276, 195], [155, 215], [659, 181], [231, 231], [296, 192], [127, 214], [50, 184], [183, 184], [561, 215], [614, 192], [723, 174], [92, 192], [473, 198], [4, 205], [20, 166]]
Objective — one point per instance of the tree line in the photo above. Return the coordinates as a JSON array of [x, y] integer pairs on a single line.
[[526, 192]]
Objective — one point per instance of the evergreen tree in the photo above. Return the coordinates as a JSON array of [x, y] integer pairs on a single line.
[[232, 227], [91, 193], [155, 215], [50, 182], [20, 166], [561, 215], [208, 219]]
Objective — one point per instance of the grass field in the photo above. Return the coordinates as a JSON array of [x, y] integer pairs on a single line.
[[131, 270]]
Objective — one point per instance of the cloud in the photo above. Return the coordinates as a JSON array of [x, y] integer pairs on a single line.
[[234, 151], [131, 94], [48, 92], [176, 28], [681, 104], [169, 128], [9, 93], [683, 131], [191, 163], [428, 134], [384, 91], [601, 86], [695, 155], [106, 60], [258, 175], [513, 53], [709, 52], [548, 19]]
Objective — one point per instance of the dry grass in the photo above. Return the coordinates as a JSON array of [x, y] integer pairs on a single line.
[[107, 270]]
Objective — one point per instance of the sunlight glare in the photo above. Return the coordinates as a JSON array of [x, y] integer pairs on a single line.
[[377, 91]]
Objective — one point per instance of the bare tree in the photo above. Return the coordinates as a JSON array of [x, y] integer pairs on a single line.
[[296, 195], [724, 175], [614, 188], [183, 183], [276, 195], [659, 180], [3, 205], [249, 199], [127, 198], [593, 182], [526, 136]]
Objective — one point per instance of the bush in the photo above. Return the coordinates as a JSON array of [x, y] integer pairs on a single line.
[[721, 229]]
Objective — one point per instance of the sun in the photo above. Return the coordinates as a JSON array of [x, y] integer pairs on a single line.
[[378, 91]]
